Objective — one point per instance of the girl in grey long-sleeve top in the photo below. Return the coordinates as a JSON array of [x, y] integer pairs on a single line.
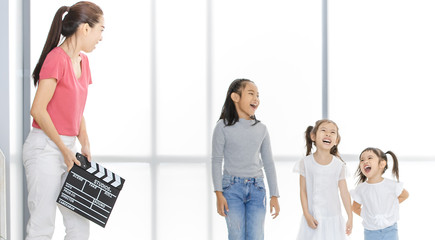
[[238, 140]]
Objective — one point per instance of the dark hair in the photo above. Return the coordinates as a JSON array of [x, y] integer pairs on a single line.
[[229, 112], [81, 12], [382, 157], [313, 130]]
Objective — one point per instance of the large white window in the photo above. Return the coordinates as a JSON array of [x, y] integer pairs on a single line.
[[119, 100], [381, 58], [276, 44], [160, 77], [181, 77], [381, 75]]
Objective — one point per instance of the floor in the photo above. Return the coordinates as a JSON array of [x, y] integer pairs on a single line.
[[184, 210]]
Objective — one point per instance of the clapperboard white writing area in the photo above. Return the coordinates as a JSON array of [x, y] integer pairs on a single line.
[[91, 190]]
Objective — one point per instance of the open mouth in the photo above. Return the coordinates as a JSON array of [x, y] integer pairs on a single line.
[[367, 169], [327, 141], [254, 106]]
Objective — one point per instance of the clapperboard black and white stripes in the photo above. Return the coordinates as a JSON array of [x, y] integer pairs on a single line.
[[91, 190]]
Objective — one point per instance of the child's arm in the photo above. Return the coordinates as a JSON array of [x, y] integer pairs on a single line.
[[312, 222], [221, 203], [356, 208], [403, 196], [269, 169], [345, 198], [217, 158], [274, 204]]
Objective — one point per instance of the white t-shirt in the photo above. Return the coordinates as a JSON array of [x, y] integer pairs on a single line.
[[380, 203]]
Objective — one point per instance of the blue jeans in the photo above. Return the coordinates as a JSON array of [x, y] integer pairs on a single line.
[[246, 198], [388, 233]]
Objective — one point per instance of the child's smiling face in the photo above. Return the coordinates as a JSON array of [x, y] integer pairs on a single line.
[[247, 102], [326, 136], [370, 165]]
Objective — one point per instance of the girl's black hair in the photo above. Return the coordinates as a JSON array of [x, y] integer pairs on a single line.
[[81, 12], [229, 112], [313, 130], [382, 157]]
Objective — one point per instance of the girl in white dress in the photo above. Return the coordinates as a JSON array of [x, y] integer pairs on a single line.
[[322, 174], [379, 197]]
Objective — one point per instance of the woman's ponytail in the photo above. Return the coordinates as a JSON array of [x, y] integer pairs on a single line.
[[51, 42], [81, 12]]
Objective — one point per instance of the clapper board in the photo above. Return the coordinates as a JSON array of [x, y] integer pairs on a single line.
[[91, 190]]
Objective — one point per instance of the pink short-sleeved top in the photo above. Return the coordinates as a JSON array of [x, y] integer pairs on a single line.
[[68, 102]]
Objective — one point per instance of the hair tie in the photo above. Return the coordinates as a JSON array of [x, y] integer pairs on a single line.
[[65, 13]]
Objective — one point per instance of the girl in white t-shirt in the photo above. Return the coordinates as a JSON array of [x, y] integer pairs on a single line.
[[377, 199]]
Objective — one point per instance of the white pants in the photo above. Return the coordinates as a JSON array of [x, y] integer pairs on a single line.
[[45, 172]]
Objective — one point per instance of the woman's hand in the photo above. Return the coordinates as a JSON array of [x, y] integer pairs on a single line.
[[222, 204], [274, 204], [69, 158], [84, 140], [312, 222], [86, 152]]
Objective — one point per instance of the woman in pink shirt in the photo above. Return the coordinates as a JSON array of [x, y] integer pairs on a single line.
[[62, 77]]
